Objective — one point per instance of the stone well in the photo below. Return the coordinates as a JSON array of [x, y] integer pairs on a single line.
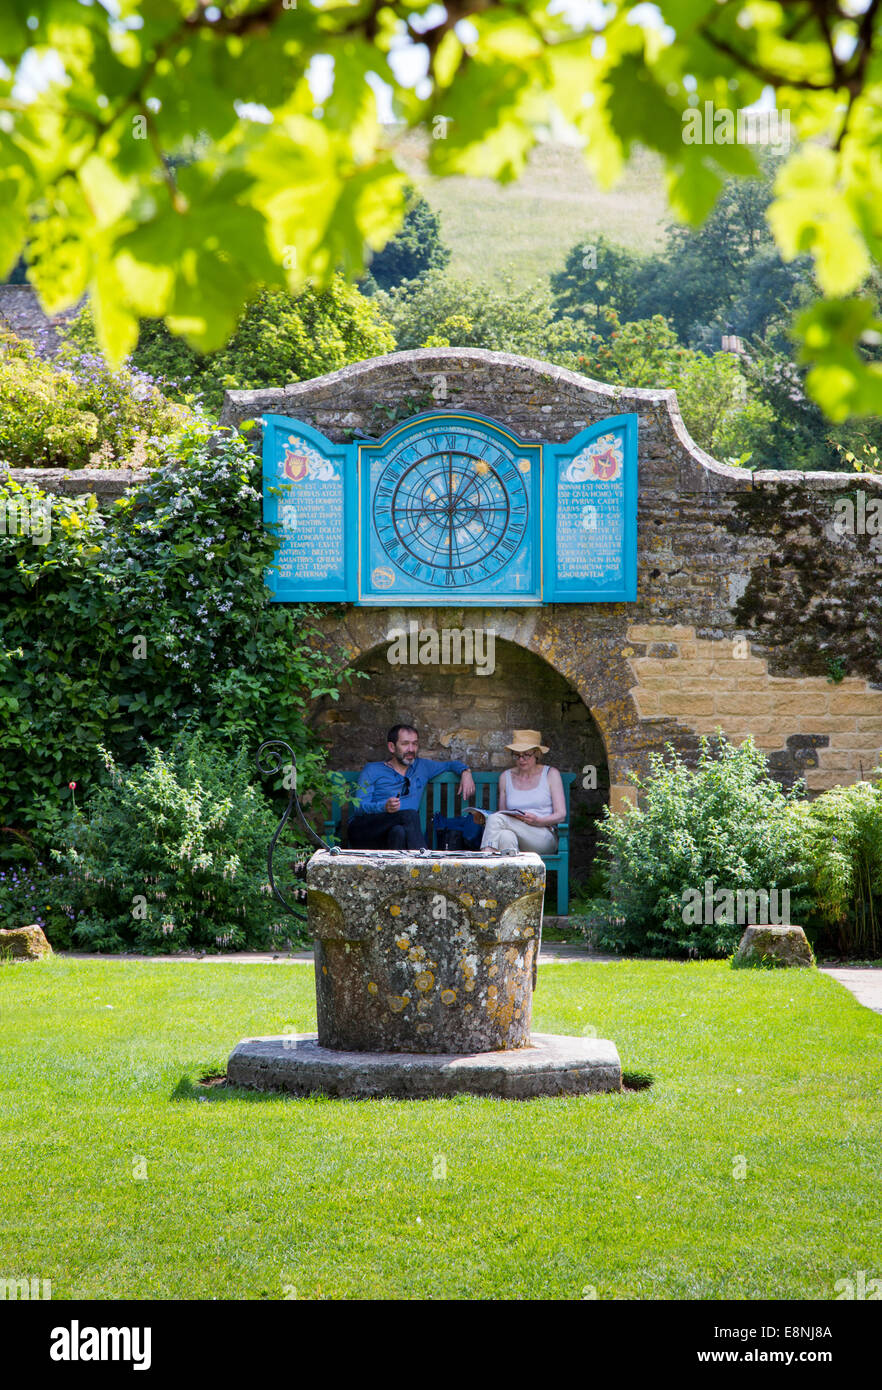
[[425, 966], [425, 954]]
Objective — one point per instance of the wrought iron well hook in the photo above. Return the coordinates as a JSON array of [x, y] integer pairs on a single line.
[[276, 763]]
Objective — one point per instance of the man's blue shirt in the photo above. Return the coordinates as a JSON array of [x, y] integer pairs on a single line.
[[377, 782]]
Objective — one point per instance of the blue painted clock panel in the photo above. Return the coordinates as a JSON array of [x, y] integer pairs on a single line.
[[309, 493], [448, 508], [591, 503], [452, 509]]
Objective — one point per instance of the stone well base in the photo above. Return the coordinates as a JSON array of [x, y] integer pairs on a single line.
[[552, 1065]]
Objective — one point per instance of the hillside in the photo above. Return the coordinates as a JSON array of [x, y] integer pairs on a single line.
[[526, 228]]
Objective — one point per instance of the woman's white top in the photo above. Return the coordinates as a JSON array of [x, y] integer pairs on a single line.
[[537, 799]]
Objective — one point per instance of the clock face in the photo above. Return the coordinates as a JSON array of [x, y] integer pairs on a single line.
[[451, 507]]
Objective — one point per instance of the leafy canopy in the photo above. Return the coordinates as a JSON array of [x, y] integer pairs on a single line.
[[416, 249], [711, 389], [180, 160], [437, 311], [726, 276], [279, 338]]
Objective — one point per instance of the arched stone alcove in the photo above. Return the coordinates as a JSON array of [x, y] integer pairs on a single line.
[[461, 713], [587, 654]]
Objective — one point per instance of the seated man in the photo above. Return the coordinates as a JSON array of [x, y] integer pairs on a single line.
[[388, 794]]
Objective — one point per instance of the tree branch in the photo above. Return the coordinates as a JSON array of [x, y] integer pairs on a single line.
[[771, 79], [251, 22]]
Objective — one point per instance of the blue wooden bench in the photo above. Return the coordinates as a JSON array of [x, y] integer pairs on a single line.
[[442, 790]]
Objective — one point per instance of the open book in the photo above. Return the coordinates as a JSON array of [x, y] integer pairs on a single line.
[[477, 813]]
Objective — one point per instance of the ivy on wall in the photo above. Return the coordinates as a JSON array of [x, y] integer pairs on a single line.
[[122, 629]]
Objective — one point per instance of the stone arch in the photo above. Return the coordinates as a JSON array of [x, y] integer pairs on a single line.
[[462, 713], [601, 676]]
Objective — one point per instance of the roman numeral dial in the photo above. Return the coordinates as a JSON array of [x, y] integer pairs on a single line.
[[454, 502]]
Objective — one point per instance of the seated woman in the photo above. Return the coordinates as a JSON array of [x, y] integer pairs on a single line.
[[531, 801]]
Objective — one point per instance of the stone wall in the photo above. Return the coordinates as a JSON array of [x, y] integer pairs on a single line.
[[22, 314], [810, 727], [741, 577], [105, 484], [746, 592]]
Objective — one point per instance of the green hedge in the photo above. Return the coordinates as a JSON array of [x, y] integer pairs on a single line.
[[125, 628]]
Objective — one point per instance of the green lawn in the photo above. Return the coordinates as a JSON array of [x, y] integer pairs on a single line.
[[253, 1197], [527, 227]]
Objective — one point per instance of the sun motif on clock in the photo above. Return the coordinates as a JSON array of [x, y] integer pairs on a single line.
[[451, 510]]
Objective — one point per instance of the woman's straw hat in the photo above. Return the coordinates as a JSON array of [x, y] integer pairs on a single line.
[[526, 739]]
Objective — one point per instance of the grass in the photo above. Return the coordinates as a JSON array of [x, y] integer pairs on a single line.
[[526, 228], [262, 1197], [551, 935]]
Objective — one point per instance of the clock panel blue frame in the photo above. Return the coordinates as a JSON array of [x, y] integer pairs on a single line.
[[368, 522], [394, 562], [590, 487], [310, 492]]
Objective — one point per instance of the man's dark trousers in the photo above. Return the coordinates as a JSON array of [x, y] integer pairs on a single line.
[[387, 830]]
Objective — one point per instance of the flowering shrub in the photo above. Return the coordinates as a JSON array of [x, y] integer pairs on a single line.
[[80, 414], [171, 854], [724, 822], [37, 893], [280, 337]]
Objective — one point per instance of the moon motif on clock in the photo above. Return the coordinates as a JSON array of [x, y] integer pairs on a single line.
[[451, 509]]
